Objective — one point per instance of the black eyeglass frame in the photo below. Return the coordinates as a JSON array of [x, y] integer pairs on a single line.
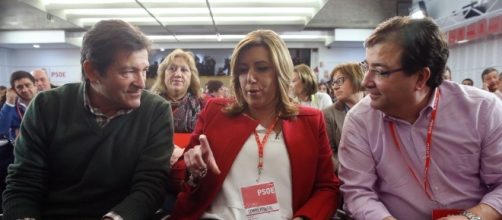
[[365, 68]]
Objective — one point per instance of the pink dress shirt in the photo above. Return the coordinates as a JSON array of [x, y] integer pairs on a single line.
[[466, 152]]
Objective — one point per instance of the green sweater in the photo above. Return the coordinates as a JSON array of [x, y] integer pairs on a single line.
[[67, 167]]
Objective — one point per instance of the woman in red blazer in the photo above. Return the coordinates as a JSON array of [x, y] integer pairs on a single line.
[[259, 156]]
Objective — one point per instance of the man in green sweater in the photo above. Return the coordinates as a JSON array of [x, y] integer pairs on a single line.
[[98, 149]]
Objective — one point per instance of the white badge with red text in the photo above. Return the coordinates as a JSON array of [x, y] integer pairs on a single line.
[[260, 201]]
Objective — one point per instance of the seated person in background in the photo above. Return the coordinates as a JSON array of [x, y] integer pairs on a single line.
[[468, 82], [490, 77], [22, 91], [96, 149], [323, 87], [215, 89], [3, 92], [447, 74], [500, 82], [42, 80], [346, 81], [304, 88], [262, 151], [417, 147], [178, 82]]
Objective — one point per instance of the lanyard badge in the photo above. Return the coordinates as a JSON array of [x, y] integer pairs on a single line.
[[428, 141], [260, 201]]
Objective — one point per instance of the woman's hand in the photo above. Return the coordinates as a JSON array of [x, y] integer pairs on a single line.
[[200, 158]]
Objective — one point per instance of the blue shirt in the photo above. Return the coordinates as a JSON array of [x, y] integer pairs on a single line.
[[10, 119]]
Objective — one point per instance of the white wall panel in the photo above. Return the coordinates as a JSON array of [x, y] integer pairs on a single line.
[[330, 57], [470, 59], [4, 66], [62, 65]]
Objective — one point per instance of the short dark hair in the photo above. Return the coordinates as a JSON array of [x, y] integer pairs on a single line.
[[20, 74], [105, 38], [422, 43], [471, 82], [486, 71], [214, 85]]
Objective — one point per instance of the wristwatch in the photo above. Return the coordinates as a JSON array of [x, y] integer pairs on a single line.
[[471, 216]]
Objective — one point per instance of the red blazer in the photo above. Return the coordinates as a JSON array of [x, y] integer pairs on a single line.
[[314, 185]]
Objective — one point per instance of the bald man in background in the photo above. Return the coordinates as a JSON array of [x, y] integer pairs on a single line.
[[42, 80]]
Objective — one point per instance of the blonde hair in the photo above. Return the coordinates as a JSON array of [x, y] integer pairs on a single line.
[[283, 65], [159, 87], [308, 78], [353, 71]]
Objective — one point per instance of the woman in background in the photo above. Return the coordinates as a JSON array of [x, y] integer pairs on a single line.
[[262, 167], [178, 82], [346, 82], [304, 88]]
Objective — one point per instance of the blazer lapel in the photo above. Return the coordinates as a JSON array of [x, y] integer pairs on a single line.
[[232, 140]]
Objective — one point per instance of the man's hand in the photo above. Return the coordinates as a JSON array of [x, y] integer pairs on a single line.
[[199, 158], [11, 96], [391, 218]]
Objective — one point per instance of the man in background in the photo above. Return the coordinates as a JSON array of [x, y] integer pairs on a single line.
[[490, 77], [468, 82], [500, 82], [98, 149], [418, 147], [18, 97], [42, 80], [447, 74]]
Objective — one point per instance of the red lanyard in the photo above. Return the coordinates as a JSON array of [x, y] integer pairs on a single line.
[[261, 145], [428, 141], [18, 109]]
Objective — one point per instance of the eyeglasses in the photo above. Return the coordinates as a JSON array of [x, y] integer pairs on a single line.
[[379, 73], [338, 82]]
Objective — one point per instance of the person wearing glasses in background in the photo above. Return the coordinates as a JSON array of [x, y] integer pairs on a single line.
[[346, 82], [418, 147]]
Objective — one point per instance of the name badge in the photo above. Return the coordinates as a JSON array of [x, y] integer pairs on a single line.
[[440, 213], [260, 201]]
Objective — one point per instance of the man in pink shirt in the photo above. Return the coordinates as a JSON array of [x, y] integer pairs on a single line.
[[418, 147]]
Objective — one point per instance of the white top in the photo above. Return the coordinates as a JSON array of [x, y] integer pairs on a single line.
[[244, 172], [319, 100]]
